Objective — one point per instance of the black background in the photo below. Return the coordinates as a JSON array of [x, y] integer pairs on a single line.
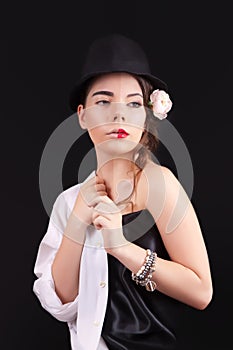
[[189, 45]]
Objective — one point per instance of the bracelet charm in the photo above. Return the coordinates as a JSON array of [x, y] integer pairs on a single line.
[[144, 274]]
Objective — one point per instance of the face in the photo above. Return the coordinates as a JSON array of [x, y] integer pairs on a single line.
[[114, 114]]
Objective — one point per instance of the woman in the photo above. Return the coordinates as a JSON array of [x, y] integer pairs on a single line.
[[123, 249]]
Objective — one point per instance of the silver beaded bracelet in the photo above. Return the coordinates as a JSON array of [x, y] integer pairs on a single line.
[[144, 274]]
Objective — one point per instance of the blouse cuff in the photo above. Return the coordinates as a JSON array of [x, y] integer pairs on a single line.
[[44, 289]]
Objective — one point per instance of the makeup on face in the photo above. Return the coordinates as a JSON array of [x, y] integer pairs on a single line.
[[115, 98], [105, 112], [118, 133]]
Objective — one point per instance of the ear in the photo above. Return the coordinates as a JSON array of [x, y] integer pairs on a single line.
[[81, 116]]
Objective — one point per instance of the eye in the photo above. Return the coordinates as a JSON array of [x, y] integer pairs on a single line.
[[102, 102], [134, 104]]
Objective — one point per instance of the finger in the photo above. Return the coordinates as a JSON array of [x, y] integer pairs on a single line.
[[87, 186], [100, 199], [99, 179], [106, 209], [100, 222], [100, 188], [96, 214], [96, 223], [89, 182], [92, 182], [105, 206], [89, 193]]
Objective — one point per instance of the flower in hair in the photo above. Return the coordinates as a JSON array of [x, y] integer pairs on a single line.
[[160, 103]]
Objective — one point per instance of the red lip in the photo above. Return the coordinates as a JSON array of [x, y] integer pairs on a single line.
[[122, 133], [119, 133]]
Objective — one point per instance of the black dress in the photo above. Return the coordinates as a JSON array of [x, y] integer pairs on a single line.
[[135, 318]]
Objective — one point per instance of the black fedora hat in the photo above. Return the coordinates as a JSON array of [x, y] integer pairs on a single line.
[[113, 53]]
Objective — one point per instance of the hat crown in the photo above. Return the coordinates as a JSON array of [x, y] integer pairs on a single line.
[[114, 53]]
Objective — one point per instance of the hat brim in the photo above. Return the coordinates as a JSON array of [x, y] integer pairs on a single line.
[[75, 94]]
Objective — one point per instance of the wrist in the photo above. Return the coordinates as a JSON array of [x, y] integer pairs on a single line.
[[120, 251], [115, 242], [75, 229]]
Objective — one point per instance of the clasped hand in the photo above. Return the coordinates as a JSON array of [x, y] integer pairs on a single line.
[[93, 206]]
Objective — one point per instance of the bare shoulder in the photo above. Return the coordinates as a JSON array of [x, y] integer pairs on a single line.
[[157, 175], [164, 193]]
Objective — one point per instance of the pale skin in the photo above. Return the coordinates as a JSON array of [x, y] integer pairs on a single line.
[[187, 276]]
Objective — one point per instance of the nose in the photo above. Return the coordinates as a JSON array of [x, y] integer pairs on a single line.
[[118, 117], [119, 111]]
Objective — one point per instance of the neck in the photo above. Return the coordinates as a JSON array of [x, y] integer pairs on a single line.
[[118, 175]]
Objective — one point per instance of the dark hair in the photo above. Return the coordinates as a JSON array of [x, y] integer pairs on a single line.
[[149, 140]]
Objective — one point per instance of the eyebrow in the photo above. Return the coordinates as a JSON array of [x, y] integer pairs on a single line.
[[135, 94], [109, 93]]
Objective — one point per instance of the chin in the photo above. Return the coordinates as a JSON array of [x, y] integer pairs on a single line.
[[117, 147]]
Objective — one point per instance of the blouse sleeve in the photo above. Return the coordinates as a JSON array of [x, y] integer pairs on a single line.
[[43, 286]]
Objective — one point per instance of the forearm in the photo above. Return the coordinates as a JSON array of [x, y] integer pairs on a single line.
[[66, 265], [172, 279]]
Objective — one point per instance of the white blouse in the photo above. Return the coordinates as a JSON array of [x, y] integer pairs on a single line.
[[85, 315]]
